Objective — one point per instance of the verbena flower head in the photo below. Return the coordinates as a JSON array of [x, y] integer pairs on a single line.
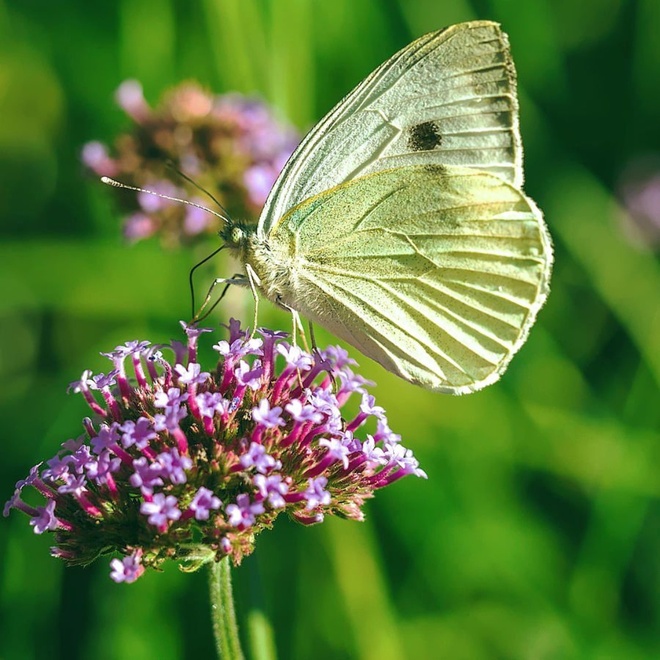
[[190, 463], [228, 144]]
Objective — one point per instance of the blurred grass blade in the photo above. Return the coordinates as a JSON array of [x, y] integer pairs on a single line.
[[596, 453], [81, 286], [595, 587], [427, 15], [356, 558], [646, 59], [581, 213], [238, 39], [292, 74], [147, 42]]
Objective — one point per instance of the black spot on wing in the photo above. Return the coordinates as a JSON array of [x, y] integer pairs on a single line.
[[424, 137]]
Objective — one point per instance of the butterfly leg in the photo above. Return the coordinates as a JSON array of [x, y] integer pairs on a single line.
[[296, 326], [238, 279], [253, 281]]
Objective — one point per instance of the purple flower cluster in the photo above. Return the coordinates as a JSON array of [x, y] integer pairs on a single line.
[[177, 462], [230, 145]]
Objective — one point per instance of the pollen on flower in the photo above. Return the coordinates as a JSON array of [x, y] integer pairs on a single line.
[[175, 458], [231, 145]]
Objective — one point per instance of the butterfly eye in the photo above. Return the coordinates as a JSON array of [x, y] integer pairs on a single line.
[[236, 236]]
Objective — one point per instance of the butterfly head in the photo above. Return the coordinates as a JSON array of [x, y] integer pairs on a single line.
[[236, 234]]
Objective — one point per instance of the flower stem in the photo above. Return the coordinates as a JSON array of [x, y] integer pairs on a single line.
[[225, 629]]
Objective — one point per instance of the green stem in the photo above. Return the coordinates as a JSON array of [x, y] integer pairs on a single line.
[[225, 629]]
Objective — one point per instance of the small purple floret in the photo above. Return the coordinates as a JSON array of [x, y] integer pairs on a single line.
[[316, 495], [257, 457], [127, 569], [266, 416], [45, 520], [161, 510], [242, 514], [203, 503]]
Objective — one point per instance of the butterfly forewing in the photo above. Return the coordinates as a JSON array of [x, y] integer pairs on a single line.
[[448, 98], [435, 272]]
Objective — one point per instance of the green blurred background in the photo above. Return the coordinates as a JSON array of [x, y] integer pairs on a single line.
[[537, 534]]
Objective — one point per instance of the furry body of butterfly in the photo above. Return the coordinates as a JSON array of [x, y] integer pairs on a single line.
[[399, 223]]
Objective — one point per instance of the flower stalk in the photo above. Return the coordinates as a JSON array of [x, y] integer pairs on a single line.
[[223, 612]]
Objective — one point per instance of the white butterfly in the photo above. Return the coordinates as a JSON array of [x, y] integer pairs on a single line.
[[399, 223]]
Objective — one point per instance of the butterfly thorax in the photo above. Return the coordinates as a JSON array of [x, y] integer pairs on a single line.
[[270, 264]]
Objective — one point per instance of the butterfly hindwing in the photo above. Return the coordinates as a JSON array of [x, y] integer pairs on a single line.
[[435, 272]]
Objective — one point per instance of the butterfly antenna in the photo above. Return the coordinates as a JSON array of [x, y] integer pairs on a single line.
[[192, 271], [117, 184], [194, 183]]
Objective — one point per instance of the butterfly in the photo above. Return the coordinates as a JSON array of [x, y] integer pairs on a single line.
[[400, 224]]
